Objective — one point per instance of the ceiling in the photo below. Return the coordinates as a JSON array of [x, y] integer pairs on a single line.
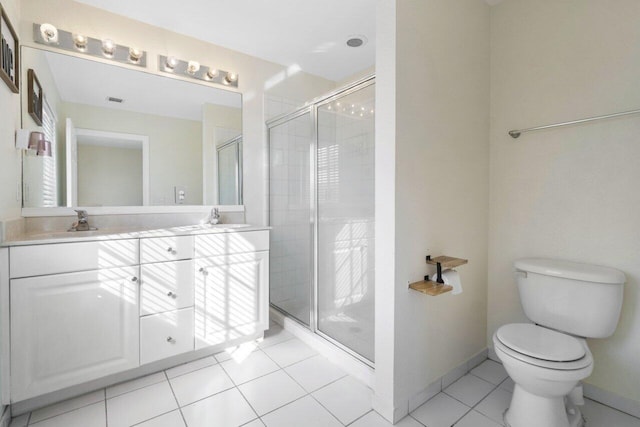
[[311, 34]]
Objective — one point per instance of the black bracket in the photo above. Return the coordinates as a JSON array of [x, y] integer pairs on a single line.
[[438, 272]]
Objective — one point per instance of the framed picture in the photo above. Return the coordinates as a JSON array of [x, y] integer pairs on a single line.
[[9, 58], [34, 98]]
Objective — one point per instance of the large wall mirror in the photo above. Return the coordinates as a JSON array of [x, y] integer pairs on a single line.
[[121, 137]]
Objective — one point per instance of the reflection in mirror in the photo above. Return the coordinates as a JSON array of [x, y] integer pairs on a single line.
[[230, 172], [123, 137]]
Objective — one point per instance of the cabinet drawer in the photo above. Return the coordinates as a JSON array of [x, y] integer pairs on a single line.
[[158, 249], [231, 243], [38, 260], [166, 334], [166, 286]]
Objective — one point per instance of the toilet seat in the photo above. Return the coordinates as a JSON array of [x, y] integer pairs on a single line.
[[543, 347]]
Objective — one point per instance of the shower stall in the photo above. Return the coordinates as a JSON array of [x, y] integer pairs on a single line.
[[321, 210]]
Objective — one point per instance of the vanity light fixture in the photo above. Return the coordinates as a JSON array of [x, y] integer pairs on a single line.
[[48, 34], [193, 69]]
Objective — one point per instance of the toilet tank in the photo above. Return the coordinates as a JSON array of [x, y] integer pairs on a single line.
[[580, 299]]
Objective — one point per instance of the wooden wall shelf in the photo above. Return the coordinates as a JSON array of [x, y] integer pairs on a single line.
[[446, 261], [430, 288]]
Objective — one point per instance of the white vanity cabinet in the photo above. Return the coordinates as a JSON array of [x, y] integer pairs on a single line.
[[71, 328], [88, 309]]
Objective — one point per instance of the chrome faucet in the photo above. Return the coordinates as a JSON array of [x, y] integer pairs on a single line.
[[82, 224], [214, 217]]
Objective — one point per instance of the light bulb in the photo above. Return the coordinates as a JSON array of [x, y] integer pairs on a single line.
[[231, 77], [108, 48], [171, 62], [193, 67], [80, 41], [212, 73], [49, 33], [135, 54]]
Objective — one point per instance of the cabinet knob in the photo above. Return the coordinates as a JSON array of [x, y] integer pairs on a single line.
[[172, 295], [203, 271], [134, 279], [171, 250], [171, 340]]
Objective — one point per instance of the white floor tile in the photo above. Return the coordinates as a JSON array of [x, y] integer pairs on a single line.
[[136, 384], [598, 415], [172, 419], [494, 405], [490, 371], [305, 411], [271, 392], [347, 399], [315, 372], [255, 423], [274, 335], [89, 416], [440, 411], [140, 405], [469, 389], [191, 366], [373, 419], [476, 419], [228, 409], [507, 384], [238, 352], [289, 352], [200, 384], [67, 405], [255, 365], [20, 420]]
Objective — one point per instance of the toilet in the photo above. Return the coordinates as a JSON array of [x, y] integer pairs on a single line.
[[567, 303]]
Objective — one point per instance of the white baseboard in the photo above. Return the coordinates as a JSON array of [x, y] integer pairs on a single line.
[[611, 399]]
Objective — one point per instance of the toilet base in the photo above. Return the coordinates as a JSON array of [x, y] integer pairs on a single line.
[[530, 410]]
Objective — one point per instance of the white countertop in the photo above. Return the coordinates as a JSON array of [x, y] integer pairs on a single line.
[[42, 238]]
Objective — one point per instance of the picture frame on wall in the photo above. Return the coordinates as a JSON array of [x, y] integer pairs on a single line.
[[9, 57], [34, 98]]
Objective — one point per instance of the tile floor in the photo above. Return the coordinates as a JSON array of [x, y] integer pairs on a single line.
[[280, 382]]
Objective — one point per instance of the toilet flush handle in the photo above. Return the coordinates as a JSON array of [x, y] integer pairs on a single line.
[[523, 273]]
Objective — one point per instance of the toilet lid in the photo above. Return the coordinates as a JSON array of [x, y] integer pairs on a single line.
[[541, 343]]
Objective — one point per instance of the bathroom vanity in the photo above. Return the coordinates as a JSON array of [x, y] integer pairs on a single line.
[[85, 306]]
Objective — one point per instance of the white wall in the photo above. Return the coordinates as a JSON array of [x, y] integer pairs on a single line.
[[10, 121], [256, 76], [440, 144], [571, 192]]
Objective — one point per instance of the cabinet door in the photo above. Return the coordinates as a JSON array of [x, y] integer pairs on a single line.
[[231, 299], [70, 328]]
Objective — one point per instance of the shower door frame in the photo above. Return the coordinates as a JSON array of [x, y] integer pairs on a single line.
[[311, 108]]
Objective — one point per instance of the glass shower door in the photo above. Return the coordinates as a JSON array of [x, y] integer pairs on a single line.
[[290, 214], [345, 215]]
